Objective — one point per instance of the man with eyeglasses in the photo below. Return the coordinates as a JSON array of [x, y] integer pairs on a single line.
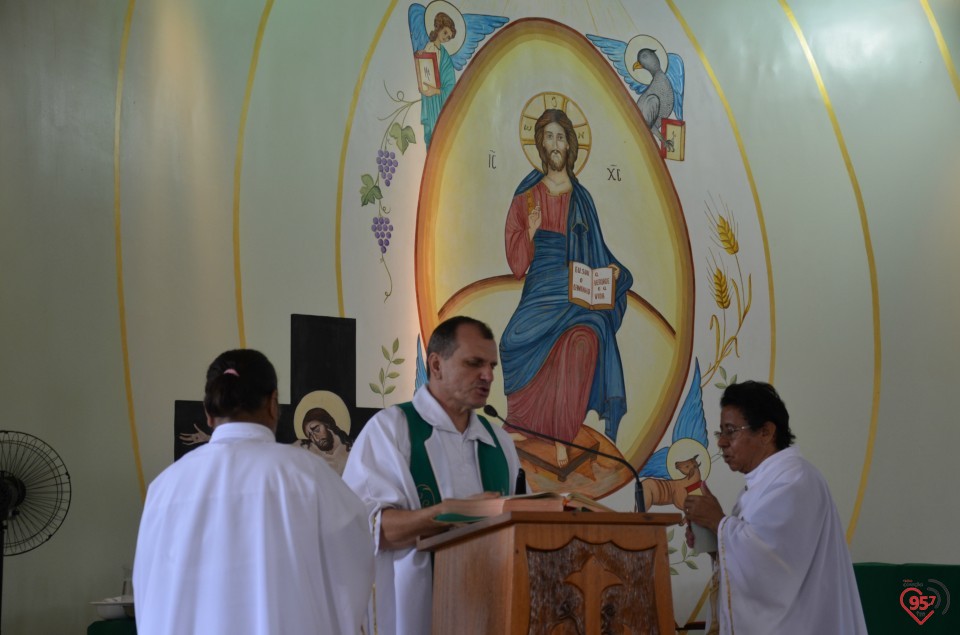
[[782, 563]]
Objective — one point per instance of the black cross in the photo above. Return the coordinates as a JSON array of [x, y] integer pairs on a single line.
[[323, 356]]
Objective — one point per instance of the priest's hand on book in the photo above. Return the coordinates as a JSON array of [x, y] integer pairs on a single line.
[[400, 528]]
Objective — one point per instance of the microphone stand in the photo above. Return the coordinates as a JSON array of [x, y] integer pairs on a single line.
[[638, 488]]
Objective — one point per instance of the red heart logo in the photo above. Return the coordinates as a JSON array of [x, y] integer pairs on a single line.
[[918, 602]]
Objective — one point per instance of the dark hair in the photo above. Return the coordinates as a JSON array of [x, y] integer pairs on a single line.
[[554, 115], [443, 340], [238, 381], [759, 403], [442, 20]]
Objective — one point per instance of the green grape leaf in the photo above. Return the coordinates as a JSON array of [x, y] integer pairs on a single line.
[[395, 131], [407, 136], [370, 192], [403, 137]]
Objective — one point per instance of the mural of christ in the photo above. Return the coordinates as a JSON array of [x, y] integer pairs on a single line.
[[560, 359]]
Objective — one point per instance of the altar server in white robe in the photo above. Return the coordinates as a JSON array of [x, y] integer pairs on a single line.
[[781, 557], [248, 536], [463, 455]]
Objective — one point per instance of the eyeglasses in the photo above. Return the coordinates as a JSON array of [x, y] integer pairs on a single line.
[[729, 433]]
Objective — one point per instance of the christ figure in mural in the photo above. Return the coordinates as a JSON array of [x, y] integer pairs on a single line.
[[560, 359]]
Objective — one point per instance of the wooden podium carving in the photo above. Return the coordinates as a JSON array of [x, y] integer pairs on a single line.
[[554, 573]]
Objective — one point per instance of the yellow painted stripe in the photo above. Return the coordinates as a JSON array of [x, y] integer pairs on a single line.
[[868, 245], [238, 169], [346, 142], [118, 246], [942, 44], [697, 608], [749, 173]]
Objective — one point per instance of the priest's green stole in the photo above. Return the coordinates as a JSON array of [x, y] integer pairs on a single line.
[[494, 471]]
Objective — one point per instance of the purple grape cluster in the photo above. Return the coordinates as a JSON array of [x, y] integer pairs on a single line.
[[387, 162], [382, 230]]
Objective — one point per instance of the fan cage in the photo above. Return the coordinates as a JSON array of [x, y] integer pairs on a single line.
[[46, 486]]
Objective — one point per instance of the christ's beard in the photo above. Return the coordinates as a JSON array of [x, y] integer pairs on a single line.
[[558, 160]]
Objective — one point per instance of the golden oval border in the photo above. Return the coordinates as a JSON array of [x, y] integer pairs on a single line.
[[425, 257]]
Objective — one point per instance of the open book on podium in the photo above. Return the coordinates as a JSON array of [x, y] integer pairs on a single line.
[[474, 509]]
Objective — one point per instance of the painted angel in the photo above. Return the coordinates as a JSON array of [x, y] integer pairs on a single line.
[[443, 40]]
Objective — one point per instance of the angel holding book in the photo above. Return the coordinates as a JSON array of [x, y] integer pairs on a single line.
[[443, 42]]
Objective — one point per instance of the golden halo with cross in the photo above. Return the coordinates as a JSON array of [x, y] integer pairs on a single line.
[[528, 120]]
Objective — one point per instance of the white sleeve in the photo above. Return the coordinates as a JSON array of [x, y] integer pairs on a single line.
[[378, 468]]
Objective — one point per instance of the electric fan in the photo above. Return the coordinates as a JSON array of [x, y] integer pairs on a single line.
[[34, 493]]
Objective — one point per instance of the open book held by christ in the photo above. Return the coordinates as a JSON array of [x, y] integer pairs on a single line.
[[591, 288]]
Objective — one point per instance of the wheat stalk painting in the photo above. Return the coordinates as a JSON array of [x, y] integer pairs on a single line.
[[723, 230]]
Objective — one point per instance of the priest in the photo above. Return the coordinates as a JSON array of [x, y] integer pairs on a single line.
[[782, 562], [410, 460]]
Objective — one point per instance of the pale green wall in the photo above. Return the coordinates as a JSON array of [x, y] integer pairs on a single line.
[[62, 374]]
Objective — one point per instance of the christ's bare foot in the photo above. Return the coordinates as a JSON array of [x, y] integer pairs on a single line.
[[562, 455]]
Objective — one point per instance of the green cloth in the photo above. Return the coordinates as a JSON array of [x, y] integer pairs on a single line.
[[494, 471], [883, 587], [113, 627]]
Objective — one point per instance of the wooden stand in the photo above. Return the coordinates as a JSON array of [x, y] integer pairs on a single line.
[[533, 572]]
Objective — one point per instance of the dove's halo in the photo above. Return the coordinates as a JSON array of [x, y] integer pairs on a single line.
[[642, 75]]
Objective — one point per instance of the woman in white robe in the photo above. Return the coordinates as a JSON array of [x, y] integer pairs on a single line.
[[245, 535]]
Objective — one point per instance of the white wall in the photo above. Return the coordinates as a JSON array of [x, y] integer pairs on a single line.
[[846, 330]]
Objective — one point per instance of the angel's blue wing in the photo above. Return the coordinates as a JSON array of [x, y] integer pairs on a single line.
[[656, 465], [477, 27], [675, 75], [691, 422], [421, 377], [418, 32], [615, 50]]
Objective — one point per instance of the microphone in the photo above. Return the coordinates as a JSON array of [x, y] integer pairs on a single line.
[[521, 486], [638, 490]]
